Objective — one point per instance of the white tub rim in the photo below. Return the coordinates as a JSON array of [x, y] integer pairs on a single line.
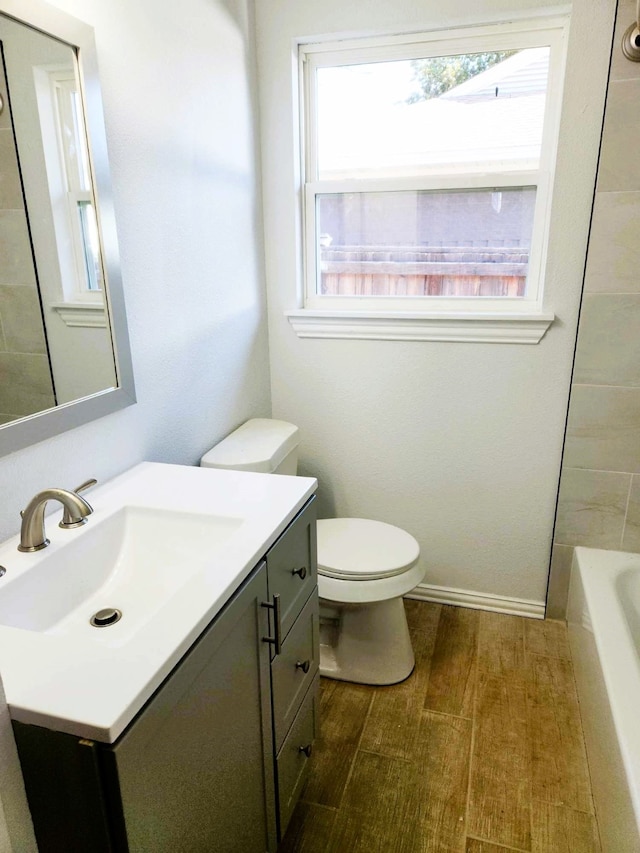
[[617, 650]]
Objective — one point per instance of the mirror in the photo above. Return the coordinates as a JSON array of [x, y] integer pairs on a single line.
[[64, 352]]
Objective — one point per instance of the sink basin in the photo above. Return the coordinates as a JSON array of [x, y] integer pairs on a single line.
[[167, 545], [134, 560]]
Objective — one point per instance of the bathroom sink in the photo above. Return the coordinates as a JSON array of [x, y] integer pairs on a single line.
[[134, 561], [167, 546]]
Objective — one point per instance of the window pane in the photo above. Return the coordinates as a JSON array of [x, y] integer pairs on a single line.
[[90, 246], [454, 113], [419, 243]]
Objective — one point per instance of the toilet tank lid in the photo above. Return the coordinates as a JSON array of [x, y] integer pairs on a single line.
[[259, 445]]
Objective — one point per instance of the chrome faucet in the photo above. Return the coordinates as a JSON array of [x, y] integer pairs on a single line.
[[32, 533]]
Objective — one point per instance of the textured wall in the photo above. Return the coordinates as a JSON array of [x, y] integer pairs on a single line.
[[458, 443], [179, 111], [599, 501], [177, 83]]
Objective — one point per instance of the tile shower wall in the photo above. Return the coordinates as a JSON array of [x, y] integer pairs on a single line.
[[25, 378], [599, 501]]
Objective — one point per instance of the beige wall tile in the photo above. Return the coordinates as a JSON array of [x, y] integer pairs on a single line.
[[591, 508], [622, 123], [15, 249], [608, 350], [558, 592], [5, 118], [613, 258], [631, 538], [603, 431], [10, 186], [26, 387], [22, 319]]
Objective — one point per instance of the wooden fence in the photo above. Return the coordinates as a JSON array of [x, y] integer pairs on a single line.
[[411, 271]]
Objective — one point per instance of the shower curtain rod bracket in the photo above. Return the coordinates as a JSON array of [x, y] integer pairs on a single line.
[[631, 38]]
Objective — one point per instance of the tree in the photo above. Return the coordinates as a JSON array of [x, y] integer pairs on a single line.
[[438, 74]]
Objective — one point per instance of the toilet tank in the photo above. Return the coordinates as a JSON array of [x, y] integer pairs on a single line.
[[261, 444]]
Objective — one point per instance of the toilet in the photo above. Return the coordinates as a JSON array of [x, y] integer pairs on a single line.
[[364, 567]]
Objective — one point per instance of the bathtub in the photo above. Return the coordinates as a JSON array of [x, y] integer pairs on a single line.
[[603, 615]]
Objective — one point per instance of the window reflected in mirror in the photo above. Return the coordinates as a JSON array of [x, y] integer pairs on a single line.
[[55, 337]]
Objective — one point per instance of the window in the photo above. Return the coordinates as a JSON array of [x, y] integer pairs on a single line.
[[428, 166], [73, 212], [74, 162]]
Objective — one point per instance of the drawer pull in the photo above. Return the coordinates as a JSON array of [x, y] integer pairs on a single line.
[[276, 640], [306, 749], [301, 572], [304, 665]]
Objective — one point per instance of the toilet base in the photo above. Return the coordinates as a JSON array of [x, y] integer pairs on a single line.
[[367, 644]]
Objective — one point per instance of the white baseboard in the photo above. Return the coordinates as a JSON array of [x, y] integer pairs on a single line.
[[478, 600]]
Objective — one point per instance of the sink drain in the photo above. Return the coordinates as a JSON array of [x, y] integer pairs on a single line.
[[104, 618]]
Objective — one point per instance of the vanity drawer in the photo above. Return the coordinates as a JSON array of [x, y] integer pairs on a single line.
[[289, 679], [292, 566], [292, 763]]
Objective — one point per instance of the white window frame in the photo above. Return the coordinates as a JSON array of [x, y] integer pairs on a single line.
[[503, 319], [65, 194], [63, 88]]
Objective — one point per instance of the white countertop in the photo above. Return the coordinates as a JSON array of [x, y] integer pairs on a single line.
[[93, 682]]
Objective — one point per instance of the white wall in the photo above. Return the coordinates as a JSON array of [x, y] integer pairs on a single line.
[[177, 83], [458, 443]]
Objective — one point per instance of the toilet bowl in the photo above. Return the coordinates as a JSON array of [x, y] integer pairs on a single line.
[[364, 568]]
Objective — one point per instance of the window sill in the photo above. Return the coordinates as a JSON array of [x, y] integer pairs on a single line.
[[90, 315], [476, 327]]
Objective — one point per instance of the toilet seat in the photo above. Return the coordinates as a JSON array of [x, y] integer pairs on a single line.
[[357, 549]]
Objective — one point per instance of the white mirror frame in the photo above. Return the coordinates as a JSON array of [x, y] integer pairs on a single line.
[[42, 425]]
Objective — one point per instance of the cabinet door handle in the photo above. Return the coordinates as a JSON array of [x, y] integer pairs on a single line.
[[276, 640], [304, 665], [306, 749], [301, 572]]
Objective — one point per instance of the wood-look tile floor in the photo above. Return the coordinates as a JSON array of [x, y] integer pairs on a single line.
[[479, 751]]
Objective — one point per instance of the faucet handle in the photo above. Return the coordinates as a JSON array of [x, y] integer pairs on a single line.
[[86, 485], [69, 520]]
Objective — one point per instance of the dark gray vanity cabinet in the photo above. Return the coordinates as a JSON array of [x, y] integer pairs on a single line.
[[292, 572], [216, 759], [195, 772]]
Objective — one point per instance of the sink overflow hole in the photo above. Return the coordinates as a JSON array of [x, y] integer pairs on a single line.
[[104, 618]]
